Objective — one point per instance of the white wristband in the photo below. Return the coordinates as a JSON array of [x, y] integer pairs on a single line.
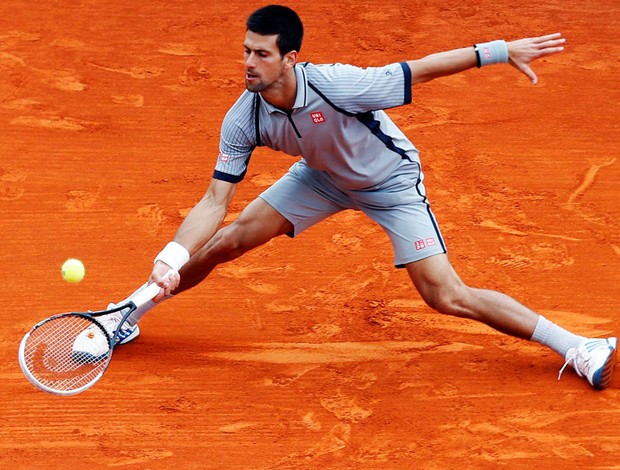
[[174, 255], [494, 52]]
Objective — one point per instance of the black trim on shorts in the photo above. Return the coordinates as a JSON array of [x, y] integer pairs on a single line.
[[431, 216]]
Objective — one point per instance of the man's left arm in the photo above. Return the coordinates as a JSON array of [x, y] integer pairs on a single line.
[[519, 53]]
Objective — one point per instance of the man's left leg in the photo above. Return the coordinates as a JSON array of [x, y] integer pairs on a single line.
[[443, 290]]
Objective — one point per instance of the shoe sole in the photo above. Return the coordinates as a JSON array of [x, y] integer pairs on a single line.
[[602, 377]]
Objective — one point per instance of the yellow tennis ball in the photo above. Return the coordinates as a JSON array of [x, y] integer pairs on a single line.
[[73, 270]]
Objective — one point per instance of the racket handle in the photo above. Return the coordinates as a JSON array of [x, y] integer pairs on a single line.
[[145, 294]]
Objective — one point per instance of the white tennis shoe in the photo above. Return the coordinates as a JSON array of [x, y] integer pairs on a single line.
[[593, 359], [91, 343]]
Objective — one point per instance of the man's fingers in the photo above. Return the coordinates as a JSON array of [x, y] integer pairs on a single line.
[[167, 279], [548, 37], [170, 281], [529, 72], [526, 69]]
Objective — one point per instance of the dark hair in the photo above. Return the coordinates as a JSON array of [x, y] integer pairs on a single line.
[[280, 20]]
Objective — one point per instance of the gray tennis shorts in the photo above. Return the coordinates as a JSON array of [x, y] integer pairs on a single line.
[[305, 197]]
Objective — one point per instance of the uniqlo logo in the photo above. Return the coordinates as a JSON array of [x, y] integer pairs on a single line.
[[420, 245], [430, 242], [487, 53], [222, 157], [317, 117]]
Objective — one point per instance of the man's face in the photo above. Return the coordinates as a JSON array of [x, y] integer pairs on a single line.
[[263, 63]]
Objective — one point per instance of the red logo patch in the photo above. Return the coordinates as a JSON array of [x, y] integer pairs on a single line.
[[430, 242], [222, 157], [419, 245], [317, 117]]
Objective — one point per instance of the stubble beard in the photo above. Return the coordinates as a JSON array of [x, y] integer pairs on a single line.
[[255, 88]]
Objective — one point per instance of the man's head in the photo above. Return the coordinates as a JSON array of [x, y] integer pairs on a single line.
[[281, 21], [272, 40]]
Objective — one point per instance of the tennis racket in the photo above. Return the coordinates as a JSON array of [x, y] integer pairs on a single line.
[[68, 353]]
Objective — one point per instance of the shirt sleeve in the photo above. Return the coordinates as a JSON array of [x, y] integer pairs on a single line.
[[237, 141], [359, 90]]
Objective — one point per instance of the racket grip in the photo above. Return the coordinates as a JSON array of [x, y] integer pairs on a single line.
[[146, 294]]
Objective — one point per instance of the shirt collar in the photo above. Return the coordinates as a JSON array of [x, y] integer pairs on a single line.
[[301, 97]]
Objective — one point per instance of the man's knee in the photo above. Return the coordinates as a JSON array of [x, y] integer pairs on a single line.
[[445, 299], [439, 285]]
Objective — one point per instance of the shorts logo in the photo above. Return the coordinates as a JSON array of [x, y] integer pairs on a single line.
[[223, 157], [317, 117], [426, 243]]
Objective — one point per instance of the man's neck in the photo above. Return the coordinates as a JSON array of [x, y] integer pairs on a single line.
[[282, 94]]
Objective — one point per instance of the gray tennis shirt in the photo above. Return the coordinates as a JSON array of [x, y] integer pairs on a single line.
[[337, 125]]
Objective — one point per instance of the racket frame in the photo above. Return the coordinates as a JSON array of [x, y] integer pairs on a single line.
[[139, 299]]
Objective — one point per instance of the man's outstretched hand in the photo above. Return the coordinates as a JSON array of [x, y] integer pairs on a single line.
[[523, 51]]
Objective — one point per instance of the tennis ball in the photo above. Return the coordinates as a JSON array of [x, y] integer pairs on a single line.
[[73, 270]]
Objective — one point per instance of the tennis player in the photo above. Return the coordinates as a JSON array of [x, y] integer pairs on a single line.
[[352, 157]]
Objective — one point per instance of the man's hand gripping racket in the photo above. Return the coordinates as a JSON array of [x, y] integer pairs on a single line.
[[51, 356]]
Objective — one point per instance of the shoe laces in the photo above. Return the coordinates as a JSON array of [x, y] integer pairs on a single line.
[[580, 358], [110, 322], [571, 358]]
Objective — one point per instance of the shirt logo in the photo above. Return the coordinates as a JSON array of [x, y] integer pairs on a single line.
[[223, 157], [317, 117]]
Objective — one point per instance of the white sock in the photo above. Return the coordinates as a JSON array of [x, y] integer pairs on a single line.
[[555, 337]]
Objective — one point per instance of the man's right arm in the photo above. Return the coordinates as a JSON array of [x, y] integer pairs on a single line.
[[206, 217], [199, 226]]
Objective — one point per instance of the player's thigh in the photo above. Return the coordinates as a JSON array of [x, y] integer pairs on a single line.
[[257, 224]]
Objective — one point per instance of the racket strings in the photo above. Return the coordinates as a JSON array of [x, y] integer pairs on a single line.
[[67, 352]]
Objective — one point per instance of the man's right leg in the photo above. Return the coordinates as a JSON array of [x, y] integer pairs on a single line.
[[256, 225], [298, 200]]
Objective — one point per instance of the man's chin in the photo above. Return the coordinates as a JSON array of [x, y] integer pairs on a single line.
[[254, 87]]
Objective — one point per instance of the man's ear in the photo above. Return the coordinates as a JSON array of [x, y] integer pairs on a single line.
[[290, 59]]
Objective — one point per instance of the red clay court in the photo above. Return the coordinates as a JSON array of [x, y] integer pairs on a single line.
[[312, 353]]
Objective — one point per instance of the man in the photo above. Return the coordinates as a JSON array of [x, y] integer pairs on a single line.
[[352, 157]]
